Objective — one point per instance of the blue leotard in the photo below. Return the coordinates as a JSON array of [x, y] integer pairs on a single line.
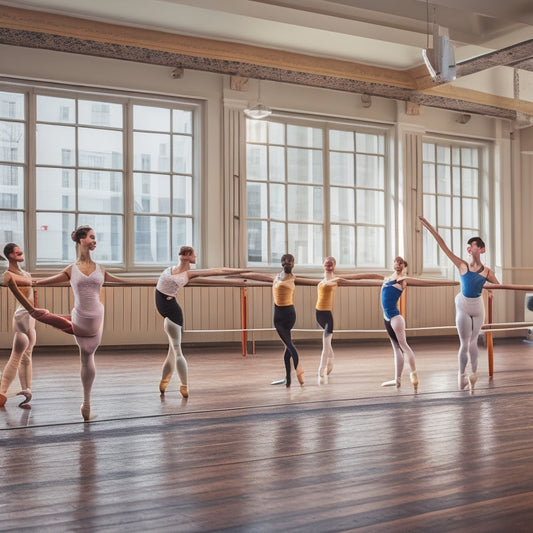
[[389, 299], [472, 284]]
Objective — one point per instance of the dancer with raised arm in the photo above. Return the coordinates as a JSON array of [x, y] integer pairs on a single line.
[[86, 323], [468, 303], [170, 282], [283, 287], [20, 359], [391, 292]]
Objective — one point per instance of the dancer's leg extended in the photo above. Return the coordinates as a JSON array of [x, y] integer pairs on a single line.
[[284, 320], [398, 357]]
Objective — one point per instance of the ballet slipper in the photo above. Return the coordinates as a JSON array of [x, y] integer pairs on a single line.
[[300, 374], [85, 410], [25, 404], [163, 384], [472, 378], [329, 367], [184, 391], [463, 381], [414, 379], [392, 383], [3, 399]]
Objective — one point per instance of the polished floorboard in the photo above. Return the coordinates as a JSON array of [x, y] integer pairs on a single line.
[[243, 455]]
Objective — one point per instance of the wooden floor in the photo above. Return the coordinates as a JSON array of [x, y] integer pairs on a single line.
[[243, 455]]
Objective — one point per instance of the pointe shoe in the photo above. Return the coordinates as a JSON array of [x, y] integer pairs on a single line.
[[300, 374], [321, 372], [163, 384], [392, 383], [25, 404], [414, 379], [184, 391], [329, 367], [3, 399], [463, 381], [472, 378], [85, 410]]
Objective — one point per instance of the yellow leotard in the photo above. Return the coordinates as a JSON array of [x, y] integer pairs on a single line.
[[283, 291], [325, 295]]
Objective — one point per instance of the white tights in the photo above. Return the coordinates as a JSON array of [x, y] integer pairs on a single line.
[[401, 349], [20, 358], [327, 351], [468, 319], [175, 358]]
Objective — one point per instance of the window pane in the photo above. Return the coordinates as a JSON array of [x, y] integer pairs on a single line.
[[368, 254], [94, 113], [12, 227], [304, 165], [341, 140], [152, 152], [276, 133], [181, 121], [152, 239], [256, 131], [470, 182], [370, 171], [182, 156], [56, 145], [277, 201], [443, 179], [100, 148], [181, 234], [54, 245], [341, 168], [108, 230], [470, 213], [370, 207], [277, 242], [429, 178], [256, 162], [11, 105], [257, 241], [304, 136], [305, 241], [370, 143], [276, 163], [444, 210], [11, 187], [305, 203], [151, 118], [256, 200], [182, 196], [12, 145], [100, 191], [53, 109], [342, 205], [151, 193], [343, 244], [55, 189]]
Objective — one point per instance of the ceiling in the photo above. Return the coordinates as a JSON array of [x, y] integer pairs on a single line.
[[363, 46]]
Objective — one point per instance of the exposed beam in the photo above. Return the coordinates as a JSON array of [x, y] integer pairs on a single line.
[[20, 27]]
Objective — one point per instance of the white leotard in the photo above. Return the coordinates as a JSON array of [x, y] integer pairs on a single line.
[[88, 312], [169, 284]]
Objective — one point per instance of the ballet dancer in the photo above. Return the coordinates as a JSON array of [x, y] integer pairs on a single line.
[[86, 322], [283, 286], [170, 282], [468, 303], [24, 339], [324, 309], [391, 292]]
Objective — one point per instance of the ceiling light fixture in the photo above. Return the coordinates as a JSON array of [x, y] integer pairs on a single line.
[[259, 110]]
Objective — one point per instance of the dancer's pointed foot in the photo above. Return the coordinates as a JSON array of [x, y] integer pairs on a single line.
[[184, 391], [321, 372], [25, 404], [85, 410], [472, 378], [392, 383], [3, 399], [163, 384], [329, 367], [414, 379], [300, 374], [462, 381]]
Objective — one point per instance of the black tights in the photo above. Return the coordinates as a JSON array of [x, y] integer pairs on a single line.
[[284, 320]]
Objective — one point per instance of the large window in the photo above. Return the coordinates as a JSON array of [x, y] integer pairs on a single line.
[[123, 166], [452, 198], [315, 190]]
